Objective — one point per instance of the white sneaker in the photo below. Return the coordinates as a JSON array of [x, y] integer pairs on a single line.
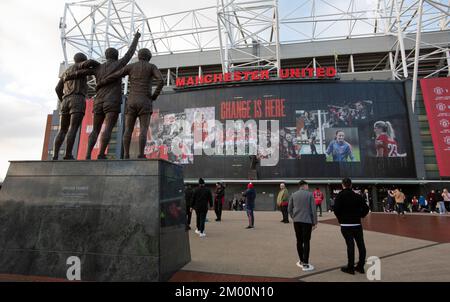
[[299, 264], [307, 267], [202, 235], [197, 231]]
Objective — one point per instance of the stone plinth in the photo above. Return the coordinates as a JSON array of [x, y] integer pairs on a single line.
[[124, 219]]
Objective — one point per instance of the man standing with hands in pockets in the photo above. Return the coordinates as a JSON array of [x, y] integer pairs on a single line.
[[349, 208], [302, 210]]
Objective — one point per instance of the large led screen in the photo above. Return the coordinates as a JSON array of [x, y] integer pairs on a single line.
[[327, 129]]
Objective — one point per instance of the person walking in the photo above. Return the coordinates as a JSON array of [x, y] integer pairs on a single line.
[[440, 202], [423, 206], [219, 196], [446, 196], [415, 204], [302, 209], [250, 196], [332, 198], [283, 201], [349, 208], [235, 204], [392, 196], [318, 198], [390, 201], [431, 200], [188, 195], [367, 199], [399, 201], [384, 202], [200, 201]]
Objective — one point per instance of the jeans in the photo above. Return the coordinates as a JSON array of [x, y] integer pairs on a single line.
[[352, 234], [201, 218], [251, 217], [303, 235], [442, 209]]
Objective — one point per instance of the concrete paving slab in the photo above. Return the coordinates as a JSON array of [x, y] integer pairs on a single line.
[[269, 250]]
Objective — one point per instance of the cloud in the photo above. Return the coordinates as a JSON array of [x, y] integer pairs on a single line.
[[22, 128], [29, 63], [30, 58], [31, 51]]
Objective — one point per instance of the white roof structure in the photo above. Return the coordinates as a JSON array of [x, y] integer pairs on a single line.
[[408, 39]]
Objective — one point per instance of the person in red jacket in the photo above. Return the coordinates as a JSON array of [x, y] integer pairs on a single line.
[[318, 198]]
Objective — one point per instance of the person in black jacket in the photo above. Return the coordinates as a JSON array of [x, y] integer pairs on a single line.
[[218, 200], [349, 208], [202, 197], [188, 195]]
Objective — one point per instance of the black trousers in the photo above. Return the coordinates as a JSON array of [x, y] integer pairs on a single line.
[[401, 208], [303, 234], [432, 206], [319, 207], [201, 218], [352, 234], [218, 208], [284, 212]]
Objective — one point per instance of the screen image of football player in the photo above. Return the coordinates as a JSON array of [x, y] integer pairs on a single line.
[[339, 149], [385, 143]]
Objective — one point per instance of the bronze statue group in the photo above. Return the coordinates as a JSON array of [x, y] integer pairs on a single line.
[[72, 90]]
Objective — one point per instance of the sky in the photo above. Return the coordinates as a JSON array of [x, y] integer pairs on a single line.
[[30, 56]]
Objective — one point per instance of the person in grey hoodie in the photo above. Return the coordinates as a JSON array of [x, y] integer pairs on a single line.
[[302, 210]]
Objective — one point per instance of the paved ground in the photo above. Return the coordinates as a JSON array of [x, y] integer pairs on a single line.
[[414, 248]]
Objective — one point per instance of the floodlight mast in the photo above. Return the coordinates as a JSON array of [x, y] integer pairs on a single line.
[[249, 35]]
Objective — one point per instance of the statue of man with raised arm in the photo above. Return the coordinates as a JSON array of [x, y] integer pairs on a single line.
[[108, 100], [139, 103]]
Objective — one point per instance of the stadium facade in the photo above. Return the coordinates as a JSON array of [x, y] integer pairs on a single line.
[[241, 79]]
